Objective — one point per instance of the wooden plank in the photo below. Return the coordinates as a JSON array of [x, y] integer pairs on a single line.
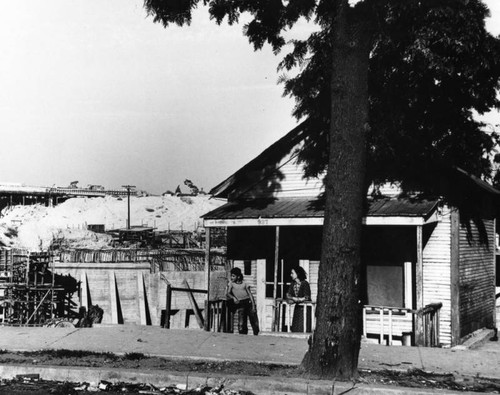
[[390, 328], [197, 313], [419, 286], [113, 297], [207, 261], [260, 295], [276, 263], [141, 299], [493, 278], [455, 277], [207, 279], [263, 222], [84, 298], [408, 285], [381, 322], [365, 324], [168, 303]]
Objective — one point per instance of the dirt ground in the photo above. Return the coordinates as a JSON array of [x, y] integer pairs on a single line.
[[411, 378]]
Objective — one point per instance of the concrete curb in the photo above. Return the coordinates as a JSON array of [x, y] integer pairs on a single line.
[[256, 385]]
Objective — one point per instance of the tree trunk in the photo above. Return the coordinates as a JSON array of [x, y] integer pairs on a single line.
[[335, 344]]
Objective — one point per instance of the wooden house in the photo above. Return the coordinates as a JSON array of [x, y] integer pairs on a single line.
[[429, 279]]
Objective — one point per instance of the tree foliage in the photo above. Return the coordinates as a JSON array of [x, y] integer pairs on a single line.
[[417, 69], [432, 65]]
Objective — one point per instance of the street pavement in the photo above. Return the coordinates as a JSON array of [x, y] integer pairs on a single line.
[[478, 357]]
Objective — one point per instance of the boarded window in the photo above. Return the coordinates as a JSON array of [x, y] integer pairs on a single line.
[[247, 268], [385, 285]]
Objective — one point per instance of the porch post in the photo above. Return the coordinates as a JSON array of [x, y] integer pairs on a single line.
[[275, 287], [419, 282], [454, 276], [207, 277], [494, 248]]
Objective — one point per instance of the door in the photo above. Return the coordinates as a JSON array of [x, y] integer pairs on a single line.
[[265, 300], [254, 274]]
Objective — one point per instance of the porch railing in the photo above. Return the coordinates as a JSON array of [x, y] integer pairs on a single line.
[[218, 318], [430, 317], [402, 323], [284, 312], [390, 322]]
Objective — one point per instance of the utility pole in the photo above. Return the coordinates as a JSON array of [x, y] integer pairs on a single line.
[[129, 187]]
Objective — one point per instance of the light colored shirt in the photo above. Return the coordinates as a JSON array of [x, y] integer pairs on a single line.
[[239, 291]]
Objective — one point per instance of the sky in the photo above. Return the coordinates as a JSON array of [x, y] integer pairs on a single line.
[[93, 91]]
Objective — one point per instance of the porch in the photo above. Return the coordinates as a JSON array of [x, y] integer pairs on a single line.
[[381, 324], [267, 240]]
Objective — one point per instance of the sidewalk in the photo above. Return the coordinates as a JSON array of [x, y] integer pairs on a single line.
[[209, 346]]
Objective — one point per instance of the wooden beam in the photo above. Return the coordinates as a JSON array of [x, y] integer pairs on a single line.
[[276, 261], [84, 291], [493, 243], [400, 220], [113, 297], [318, 221], [419, 288], [263, 222], [141, 299], [455, 276], [408, 285], [207, 279], [196, 309], [168, 305]]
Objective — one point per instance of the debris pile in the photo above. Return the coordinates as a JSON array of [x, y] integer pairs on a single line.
[[31, 382], [35, 227]]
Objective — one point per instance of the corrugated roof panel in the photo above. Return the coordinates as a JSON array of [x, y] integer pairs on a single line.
[[402, 207], [298, 208]]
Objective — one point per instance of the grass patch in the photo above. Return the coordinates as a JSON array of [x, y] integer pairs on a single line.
[[134, 356], [69, 354]]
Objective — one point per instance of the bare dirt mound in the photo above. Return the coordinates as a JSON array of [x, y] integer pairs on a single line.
[[34, 227]]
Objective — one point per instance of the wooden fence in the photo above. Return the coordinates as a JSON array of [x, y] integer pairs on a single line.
[[160, 259]]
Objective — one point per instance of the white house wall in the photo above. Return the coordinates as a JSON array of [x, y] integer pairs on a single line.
[[477, 279], [313, 279], [436, 274], [293, 184]]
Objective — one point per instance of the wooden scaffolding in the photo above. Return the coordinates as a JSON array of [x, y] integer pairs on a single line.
[[28, 294]]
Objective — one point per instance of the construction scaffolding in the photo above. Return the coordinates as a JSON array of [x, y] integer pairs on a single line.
[[29, 295]]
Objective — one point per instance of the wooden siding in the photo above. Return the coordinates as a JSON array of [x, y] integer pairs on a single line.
[[293, 183], [436, 274], [477, 279], [313, 279]]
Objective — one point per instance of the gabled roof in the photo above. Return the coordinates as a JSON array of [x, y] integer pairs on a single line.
[[474, 196], [272, 154]]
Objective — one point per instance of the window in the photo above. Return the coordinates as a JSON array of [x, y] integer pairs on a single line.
[[247, 268]]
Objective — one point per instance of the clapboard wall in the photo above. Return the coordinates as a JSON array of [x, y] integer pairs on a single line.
[[290, 181], [477, 278], [436, 272]]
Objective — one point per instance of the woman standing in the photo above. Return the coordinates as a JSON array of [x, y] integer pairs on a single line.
[[299, 292], [238, 292]]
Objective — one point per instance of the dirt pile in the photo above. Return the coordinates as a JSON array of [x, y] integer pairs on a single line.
[[35, 227]]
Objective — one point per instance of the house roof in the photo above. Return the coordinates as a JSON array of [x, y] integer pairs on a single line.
[[475, 197], [304, 211], [403, 207], [273, 154]]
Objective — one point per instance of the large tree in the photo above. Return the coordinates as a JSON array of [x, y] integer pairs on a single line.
[[388, 83]]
